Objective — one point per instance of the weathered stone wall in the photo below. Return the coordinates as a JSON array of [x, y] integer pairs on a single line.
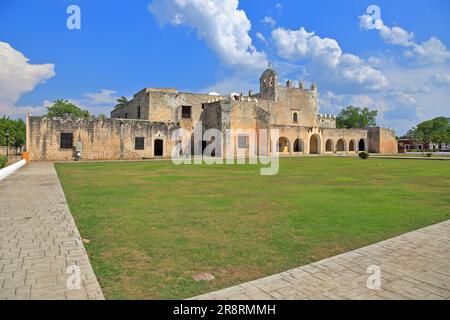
[[326, 121], [248, 114], [130, 111], [165, 105], [291, 133], [102, 139], [344, 140], [290, 100], [382, 141]]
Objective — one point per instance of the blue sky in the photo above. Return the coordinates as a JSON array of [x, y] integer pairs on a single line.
[[401, 68]]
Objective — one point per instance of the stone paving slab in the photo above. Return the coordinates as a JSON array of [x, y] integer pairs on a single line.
[[415, 265], [39, 239]]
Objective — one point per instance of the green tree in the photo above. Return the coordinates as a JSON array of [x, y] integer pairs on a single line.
[[436, 130], [102, 116], [440, 130], [121, 102], [16, 130], [64, 108], [355, 117]]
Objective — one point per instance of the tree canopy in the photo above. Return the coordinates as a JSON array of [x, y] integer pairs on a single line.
[[121, 102], [16, 129], [64, 108], [436, 130], [355, 117]]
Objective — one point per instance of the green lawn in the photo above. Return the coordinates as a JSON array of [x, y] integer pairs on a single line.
[[152, 225]]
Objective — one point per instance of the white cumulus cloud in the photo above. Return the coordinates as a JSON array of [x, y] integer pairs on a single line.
[[430, 51], [261, 37], [440, 79], [394, 35], [17, 77], [105, 96], [325, 55], [220, 23], [269, 21]]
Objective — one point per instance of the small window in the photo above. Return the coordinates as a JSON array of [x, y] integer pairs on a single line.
[[242, 142], [295, 117], [139, 143], [126, 115], [138, 112], [66, 140], [186, 112]]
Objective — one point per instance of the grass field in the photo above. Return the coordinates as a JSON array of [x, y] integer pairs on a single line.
[[153, 225]]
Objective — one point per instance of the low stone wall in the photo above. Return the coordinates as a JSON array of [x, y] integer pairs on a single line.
[[11, 150], [101, 139]]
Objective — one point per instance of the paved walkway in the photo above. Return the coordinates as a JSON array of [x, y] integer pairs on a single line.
[[39, 239], [415, 265]]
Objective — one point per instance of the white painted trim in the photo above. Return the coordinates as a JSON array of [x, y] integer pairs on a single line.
[[11, 169]]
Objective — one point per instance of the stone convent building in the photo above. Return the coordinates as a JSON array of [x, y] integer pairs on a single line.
[[142, 129]]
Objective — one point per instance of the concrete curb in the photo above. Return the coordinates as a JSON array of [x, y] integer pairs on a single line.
[[11, 169]]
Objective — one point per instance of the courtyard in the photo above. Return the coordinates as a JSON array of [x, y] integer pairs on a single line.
[[149, 227]]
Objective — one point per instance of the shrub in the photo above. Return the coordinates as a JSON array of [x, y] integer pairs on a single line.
[[3, 161], [429, 154], [363, 155]]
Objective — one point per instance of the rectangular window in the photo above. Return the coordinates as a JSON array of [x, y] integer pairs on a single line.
[[66, 141], [242, 142], [186, 112], [126, 115], [139, 143], [139, 112]]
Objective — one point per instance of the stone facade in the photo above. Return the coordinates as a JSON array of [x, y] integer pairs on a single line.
[[101, 139], [382, 140], [142, 129]]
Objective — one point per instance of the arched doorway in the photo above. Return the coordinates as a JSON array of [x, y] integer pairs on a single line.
[[361, 145], [283, 145], [158, 148], [351, 145], [340, 145], [329, 145], [314, 145], [298, 145]]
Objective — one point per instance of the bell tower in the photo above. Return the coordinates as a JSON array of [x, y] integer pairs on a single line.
[[268, 84]]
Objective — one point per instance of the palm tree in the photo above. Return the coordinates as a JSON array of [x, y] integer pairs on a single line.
[[121, 102]]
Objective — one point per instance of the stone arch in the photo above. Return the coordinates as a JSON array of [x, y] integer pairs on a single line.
[[361, 145], [283, 145], [329, 146], [340, 145], [351, 146], [298, 145], [314, 144]]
